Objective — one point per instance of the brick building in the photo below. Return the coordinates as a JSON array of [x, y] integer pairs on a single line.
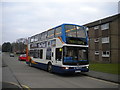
[[103, 40]]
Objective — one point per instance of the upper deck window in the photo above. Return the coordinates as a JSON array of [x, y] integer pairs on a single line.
[[51, 34], [70, 31], [58, 31], [32, 39], [44, 36], [75, 31], [39, 37], [80, 32], [36, 38]]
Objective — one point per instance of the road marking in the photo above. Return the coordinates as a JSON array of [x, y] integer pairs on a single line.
[[23, 86], [102, 80]]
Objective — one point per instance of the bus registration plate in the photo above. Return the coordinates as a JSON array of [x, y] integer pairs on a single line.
[[77, 71]]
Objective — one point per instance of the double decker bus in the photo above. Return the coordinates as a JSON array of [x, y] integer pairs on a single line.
[[62, 49]]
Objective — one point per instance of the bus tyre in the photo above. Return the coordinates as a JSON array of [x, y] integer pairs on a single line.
[[49, 68]]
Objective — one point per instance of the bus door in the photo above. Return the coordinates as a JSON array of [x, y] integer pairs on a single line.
[[58, 56], [53, 55]]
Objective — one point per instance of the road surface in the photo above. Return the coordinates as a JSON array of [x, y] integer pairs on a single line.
[[18, 73]]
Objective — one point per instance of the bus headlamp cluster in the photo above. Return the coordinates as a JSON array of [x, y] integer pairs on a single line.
[[65, 67]]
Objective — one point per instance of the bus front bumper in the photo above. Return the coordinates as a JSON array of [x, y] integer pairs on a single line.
[[70, 69]]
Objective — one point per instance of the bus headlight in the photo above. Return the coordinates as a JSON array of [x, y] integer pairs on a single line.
[[65, 67]]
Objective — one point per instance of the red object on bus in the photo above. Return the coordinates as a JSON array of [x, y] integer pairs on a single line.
[[22, 57]]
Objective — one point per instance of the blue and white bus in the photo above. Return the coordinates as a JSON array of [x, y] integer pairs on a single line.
[[62, 49]]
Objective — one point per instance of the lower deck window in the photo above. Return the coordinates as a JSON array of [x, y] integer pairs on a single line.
[[41, 54], [48, 54], [36, 53]]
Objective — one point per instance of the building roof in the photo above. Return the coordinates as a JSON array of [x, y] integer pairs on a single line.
[[102, 21]]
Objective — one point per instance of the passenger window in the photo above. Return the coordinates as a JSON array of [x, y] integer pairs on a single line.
[[48, 54], [35, 55], [51, 34], [58, 31], [41, 54]]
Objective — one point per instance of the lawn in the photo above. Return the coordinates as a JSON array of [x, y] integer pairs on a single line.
[[107, 68]]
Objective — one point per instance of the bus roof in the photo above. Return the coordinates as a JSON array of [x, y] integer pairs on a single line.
[[59, 26], [67, 24]]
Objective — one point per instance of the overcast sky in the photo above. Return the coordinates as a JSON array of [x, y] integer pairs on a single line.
[[26, 18]]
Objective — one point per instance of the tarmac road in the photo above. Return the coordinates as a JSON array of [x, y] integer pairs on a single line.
[[21, 75]]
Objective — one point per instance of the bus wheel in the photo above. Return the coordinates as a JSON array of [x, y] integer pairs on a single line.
[[49, 67]]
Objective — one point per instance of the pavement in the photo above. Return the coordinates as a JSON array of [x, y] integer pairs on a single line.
[[104, 76], [9, 80]]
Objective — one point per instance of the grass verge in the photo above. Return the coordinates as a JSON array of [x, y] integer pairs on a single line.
[[107, 68]]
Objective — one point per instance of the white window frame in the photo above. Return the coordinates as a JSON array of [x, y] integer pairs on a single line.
[[105, 55], [96, 40], [96, 27], [96, 52], [105, 26], [105, 40], [32, 39]]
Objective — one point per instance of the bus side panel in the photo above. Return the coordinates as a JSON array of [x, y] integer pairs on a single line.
[[40, 65], [58, 69]]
